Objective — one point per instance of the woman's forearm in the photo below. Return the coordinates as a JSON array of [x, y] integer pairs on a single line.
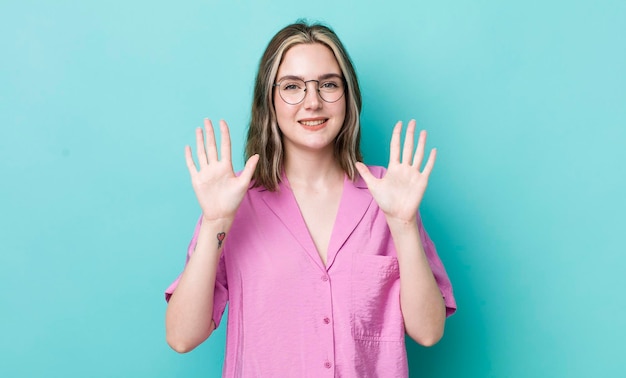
[[189, 315], [422, 305]]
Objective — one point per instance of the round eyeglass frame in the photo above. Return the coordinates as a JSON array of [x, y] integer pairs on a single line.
[[319, 93]]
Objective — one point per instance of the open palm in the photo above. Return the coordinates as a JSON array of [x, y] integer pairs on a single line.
[[400, 192], [218, 189]]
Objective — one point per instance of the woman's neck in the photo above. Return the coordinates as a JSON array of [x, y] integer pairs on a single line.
[[313, 170]]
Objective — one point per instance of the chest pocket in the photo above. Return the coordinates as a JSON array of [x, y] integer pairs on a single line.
[[375, 298]]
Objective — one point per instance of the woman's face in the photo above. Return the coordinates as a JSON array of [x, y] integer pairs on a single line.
[[312, 124]]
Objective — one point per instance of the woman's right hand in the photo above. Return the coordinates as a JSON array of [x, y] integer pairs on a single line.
[[218, 189]]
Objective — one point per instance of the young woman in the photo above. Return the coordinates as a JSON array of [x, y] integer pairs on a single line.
[[324, 262]]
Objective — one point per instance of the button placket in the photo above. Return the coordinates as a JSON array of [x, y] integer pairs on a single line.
[[327, 332]]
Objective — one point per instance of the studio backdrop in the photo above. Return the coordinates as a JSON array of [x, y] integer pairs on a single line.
[[524, 100]]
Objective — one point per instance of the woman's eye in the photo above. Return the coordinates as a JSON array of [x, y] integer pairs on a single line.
[[291, 87], [329, 85]]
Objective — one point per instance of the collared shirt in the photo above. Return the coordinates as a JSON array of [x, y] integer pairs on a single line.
[[292, 316]]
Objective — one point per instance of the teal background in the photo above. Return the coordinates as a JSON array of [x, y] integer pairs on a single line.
[[525, 102]]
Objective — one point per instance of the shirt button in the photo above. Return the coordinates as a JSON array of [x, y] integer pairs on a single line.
[[324, 278], [327, 365], [326, 320]]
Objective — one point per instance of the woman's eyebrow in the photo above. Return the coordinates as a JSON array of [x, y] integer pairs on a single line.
[[329, 75], [321, 77], [289, 77]]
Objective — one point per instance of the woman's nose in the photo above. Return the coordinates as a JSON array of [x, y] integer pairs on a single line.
[[312, 98]]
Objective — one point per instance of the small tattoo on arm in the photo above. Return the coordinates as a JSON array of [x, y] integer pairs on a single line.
[[220, 239]]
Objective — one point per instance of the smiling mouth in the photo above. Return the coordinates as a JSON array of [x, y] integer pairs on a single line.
[[314, 123]]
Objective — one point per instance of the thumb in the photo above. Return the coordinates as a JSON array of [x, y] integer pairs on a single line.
[[249, 168], [365, 173]]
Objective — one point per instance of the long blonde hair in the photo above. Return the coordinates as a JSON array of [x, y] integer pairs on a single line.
[[264, 136]]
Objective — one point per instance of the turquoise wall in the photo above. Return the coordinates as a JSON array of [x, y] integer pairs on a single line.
[[525, 101]]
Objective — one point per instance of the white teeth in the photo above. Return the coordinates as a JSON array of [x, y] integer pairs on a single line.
[[313, 123]]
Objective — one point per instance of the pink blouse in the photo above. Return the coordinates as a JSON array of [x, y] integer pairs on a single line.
[[291, 316]]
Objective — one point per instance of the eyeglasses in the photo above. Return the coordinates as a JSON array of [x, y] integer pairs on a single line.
[[293, 90]]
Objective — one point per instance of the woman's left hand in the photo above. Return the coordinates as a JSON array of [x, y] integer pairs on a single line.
[[400, 192]]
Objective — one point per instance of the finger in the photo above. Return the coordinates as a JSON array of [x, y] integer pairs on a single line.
[[430, 163], [419, 152], [365, 173], [225, 139], [202, 161], [248, 169], [394, 145], [211, 147], [407, 154], [190, 164]]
